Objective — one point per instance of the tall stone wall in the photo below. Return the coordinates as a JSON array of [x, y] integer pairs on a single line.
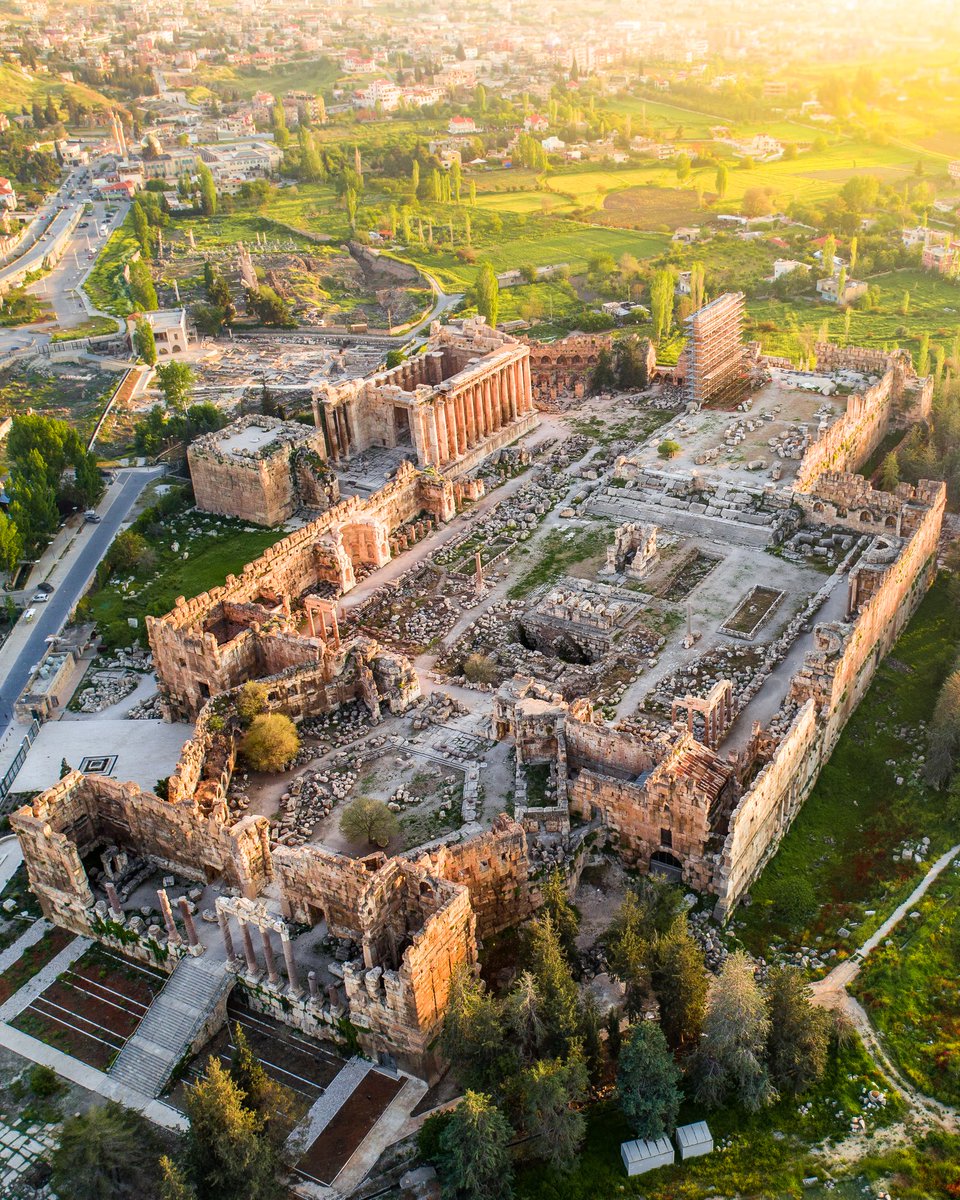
[[765, 812]]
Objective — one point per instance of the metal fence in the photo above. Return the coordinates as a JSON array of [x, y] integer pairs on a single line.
[[13, 770]]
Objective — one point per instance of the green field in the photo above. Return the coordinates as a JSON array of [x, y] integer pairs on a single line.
[[105, 285], [837, 861], [312, 76], [910, 988], [17, 88], [934, 308], [215, 548]]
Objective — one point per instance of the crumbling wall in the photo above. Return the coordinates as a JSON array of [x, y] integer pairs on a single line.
[[766, 810], [496, 871]]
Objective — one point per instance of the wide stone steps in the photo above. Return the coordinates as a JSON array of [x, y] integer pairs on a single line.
[[171, 1022]]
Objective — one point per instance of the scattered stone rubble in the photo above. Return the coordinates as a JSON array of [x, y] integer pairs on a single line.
[[104, 689]]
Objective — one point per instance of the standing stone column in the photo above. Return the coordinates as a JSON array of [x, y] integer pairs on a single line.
[[224, 922], [290, 962], [172, 934], [248, 951], [488, 404], [273, 975], [527, 385], [433, 438], [184, 905], [116, 908], [312, 984], [450, 412], [460, 418], [498, 389], [515, 395]]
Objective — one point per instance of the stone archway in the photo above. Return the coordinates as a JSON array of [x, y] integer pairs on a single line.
[[666, 865]]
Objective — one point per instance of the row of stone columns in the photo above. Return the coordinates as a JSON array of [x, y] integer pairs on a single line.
[[269, 958], [459, 420], [336, 427]]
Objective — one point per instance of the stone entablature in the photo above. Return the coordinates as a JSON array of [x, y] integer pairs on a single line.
[[261, 469], [469, 387]]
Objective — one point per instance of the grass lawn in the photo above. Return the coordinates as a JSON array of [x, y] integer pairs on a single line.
[[18, 88], [105, 285], [765, 1154], [837, 862], [92, 327], [911, 991], [934, 308], [216, 547], [312, 76], [560, 550]]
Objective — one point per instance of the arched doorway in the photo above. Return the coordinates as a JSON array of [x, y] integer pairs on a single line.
[[666, 865]]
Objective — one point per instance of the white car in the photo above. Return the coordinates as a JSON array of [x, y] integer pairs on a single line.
[[39, 598]]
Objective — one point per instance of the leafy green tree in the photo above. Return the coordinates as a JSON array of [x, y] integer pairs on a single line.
[[176, 381], [566, 919], [923, 355], [488, 295], [33, 510], [208, 190], [679, 981], [682, 167], [603, 377], [943, 734], [890, 472], [173, 1182], [475, 1030], [145, 342], [273, 1103], [271, 743], [281, 134], [106, 1153], [456, 179], [522, 1016], [142, 292], [550, 1088], [555, 985], [729, 1062], [799, 1033], [141, 228], [475, 1157], [369, 820], [251, 701], [270, 308], [648, 1082], [11, 543], [661, 303], [720, 182], [226, 1155]]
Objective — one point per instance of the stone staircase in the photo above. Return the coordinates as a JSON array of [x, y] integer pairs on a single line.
[[172, 1021]]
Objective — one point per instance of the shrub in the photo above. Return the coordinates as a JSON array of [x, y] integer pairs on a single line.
[[251, 701], [795, 901], [668, 448], [271, 742], [478, 668]]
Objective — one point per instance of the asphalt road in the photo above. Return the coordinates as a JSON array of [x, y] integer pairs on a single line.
[[51, 616]]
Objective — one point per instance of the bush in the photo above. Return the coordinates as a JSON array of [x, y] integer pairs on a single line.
[[44, 1082], [428, 1138], [795, 901], [478, 668], [668, 448], [251, 701], [271, 742]]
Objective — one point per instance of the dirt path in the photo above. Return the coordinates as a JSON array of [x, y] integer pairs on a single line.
[[831, 992]]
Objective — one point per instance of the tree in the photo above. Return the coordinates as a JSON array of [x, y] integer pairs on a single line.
[[890, 472], [661, 303], [854, 247], [603, 377], [176, 380], [415, 178], [488, 295], [281, 134], [721, 181], [799, 1037], [648, 1082], [146, 343], [679, 980], [141, 228], [456, 179], [11, 543], [943, 733], [923, 355], [273, 1103], [226, 1155], [271, 743], [475, 1157], [550, 1088], [729, 1062], [208, 190], [555, 984], [475, 1032], [682, 167], [251, 701], [668, 448], [142, 292], [523, 1017], [369, 820], [270, 308], [173, 1182], [828, 253], [566, 919], [106, 1153], [698, 284]]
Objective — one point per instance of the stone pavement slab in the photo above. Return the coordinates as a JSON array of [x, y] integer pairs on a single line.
[[30, 936]]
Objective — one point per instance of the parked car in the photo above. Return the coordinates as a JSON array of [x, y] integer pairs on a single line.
[[47, 588], [39, 598], [93, 518]]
